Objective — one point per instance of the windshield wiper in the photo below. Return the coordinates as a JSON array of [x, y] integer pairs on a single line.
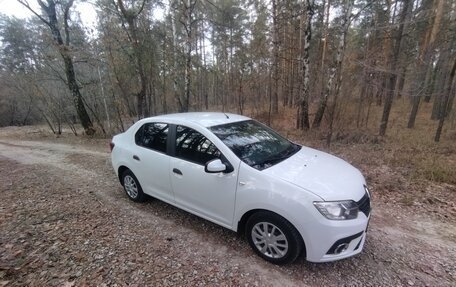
[[280, 157]]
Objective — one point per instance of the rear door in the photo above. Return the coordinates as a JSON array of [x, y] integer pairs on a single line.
[[151, 161], [208, 195]]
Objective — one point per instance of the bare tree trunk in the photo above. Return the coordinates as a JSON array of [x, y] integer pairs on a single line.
[[95, 116], [205, 77], [439, 92], [364, 86], [175, 79], [164, 71], [104, 99], [305, 74], [393, 69], [444, 106], [275, 60], [240, 96], [124, 96], [425, 60], [131, 17], [429, 83], [269, 92], [324, 99], [29, 109], [339, 59], [415, 105], [188, 23], [48, 121], [288, 59], [404, 58], [325, 88], [400, 84], [119, 115], [369, 106]]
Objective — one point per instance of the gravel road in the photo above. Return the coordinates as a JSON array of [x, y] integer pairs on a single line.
[[65, 221]]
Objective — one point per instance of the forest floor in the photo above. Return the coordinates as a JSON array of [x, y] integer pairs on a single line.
[[65, 221]]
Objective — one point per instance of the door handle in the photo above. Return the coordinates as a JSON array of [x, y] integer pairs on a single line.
[[177, 171], [135, 157]]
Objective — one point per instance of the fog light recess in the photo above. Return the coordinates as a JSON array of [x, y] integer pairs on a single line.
[[341, 248]]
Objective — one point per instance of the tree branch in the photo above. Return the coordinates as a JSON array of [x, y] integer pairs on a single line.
[[141, 8], [65, 22], [27, 5], [354, 16]]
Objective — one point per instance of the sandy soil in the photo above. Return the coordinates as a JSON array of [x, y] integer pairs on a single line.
[[65, 221]]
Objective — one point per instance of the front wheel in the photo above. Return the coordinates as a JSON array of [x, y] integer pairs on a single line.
[[273, 237], [132, 187]]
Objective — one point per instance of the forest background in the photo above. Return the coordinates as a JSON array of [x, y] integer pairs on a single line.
[[329, 70]]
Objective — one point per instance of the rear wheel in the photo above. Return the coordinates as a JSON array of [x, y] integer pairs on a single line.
[[273, 237], [132, 187]]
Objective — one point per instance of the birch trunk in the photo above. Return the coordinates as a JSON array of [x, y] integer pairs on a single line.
[[275, 61], [305, 74], [338, 70]]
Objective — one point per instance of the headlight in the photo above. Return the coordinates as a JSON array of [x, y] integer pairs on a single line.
[[338, 210]]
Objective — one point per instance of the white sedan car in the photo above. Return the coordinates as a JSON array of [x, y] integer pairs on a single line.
[[229, 169]]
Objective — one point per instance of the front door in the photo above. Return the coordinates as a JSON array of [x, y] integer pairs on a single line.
[[208, 195]]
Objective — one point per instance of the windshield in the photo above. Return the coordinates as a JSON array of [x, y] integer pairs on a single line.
[[255, 144]]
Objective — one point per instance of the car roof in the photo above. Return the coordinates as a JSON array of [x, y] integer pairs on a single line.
[[205, 119]]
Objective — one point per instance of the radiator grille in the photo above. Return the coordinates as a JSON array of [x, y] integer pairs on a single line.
[[364, 204]]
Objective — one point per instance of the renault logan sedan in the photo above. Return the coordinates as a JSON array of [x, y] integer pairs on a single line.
[[229, 169]]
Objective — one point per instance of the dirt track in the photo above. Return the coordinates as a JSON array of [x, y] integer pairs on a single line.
[[64, 219]]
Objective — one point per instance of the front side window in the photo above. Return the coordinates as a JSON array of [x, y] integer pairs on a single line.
[[152, 136], [255, 144], [193, 146]]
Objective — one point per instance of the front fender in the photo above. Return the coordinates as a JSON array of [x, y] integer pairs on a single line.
[[258, 190]]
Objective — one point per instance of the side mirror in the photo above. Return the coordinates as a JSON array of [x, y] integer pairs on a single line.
[[215, 166]]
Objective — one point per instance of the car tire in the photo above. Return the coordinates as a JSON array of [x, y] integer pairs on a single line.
[[132, 187], [273, 237]]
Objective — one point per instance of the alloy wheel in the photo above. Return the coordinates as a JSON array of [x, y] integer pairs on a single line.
[[130, 186], [269, 240]]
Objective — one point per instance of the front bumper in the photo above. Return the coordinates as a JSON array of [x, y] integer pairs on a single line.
[[330, 240], [354, 246]]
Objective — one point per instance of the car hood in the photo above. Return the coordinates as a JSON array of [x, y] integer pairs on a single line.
[[326, 176]]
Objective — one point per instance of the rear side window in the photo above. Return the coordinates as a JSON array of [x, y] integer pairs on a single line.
[[152, 136], [193, 146]]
